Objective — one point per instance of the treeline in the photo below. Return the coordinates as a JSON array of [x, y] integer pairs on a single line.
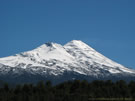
[[70, 91]]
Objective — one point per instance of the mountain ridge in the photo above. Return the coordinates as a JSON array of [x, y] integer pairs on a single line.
[[72, 60]]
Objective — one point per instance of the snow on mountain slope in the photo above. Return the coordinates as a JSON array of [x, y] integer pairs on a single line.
[[50, 57], [55, 59], [85, 54], [47, 51]]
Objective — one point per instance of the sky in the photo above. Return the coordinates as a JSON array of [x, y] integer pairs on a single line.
[[106, 25]]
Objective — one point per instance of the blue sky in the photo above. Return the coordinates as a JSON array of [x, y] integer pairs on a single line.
[[106, 25]]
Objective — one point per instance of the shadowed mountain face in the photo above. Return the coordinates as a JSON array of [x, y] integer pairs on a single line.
[[52, 61]]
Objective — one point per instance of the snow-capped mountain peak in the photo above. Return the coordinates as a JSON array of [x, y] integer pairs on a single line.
[[49, 45], [86, 54], [79, 44], [46, 52], [54, 59]]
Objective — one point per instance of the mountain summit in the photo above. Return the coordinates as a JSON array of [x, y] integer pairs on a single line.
[[52, 61]]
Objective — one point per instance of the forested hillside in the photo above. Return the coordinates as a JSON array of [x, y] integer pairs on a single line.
[[70, 91]]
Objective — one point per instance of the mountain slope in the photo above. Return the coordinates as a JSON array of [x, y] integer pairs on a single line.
[[75, 60], [87, 55]]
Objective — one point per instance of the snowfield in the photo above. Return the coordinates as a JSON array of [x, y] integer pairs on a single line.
[[52, 59]]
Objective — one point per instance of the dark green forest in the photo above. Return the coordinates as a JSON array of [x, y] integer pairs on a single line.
[[70, 91]]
